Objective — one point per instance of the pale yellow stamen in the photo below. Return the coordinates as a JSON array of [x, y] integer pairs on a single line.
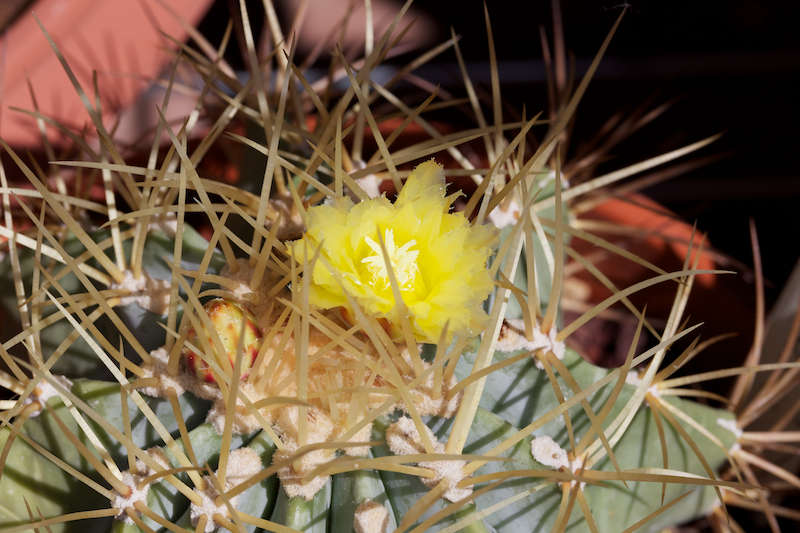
[[403, 261]]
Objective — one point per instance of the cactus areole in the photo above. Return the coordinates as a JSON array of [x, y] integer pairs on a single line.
[[235, 328]]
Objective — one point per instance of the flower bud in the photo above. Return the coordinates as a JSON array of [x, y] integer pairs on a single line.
[[226, 316]]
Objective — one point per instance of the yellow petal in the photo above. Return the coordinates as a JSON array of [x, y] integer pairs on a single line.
[[425, 181], [448, 280]]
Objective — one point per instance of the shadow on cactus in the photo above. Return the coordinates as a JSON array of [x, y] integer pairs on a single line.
[[328, 358]]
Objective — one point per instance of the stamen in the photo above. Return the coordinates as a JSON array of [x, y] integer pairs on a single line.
[[403, 261]]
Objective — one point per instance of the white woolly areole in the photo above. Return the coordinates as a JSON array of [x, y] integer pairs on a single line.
[[403, 438], [210, 507], [243, 464], [551, 176], [256, 301], [292, 480], [632, 378], [370, 183], [243, 422], [635, 378], [502, 218], [320, 429], [731, 425], [363, 435], [512, 339], [371, 517], [47, 391], [166, 223], [654, 391], [424, 401], [576, 466], [185, 380], [121, 503], [547, 452], [150, 294], [132, 480]]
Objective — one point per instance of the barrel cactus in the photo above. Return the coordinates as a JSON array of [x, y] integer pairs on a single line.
[[304, 352]]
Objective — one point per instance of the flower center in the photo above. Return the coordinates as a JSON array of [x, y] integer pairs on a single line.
[[402, 260]]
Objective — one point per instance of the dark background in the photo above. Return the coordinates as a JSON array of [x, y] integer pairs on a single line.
[[733, 66]]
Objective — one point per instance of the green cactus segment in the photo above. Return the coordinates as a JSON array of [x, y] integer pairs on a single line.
[[302, 515], [104, 399], [616, 507], [522, 504], [145, 325], [477, 526], [403, 490], [522, 393], [519, 392], [159, 245], [28, 476], [79, 360], [258, 500], [487, 431], [163, 498], [352, 489], [541, 268]]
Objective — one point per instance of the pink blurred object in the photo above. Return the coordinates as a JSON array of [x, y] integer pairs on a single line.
[[121, 39]]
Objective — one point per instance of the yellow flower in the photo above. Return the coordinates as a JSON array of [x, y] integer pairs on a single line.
[[438, 258]]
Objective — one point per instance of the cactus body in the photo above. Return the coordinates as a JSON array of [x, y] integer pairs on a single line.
[[401, 365], [514, 397]]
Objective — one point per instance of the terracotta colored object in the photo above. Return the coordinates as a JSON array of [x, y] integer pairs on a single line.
[[661, 238], [658, 236], [111, 36]]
